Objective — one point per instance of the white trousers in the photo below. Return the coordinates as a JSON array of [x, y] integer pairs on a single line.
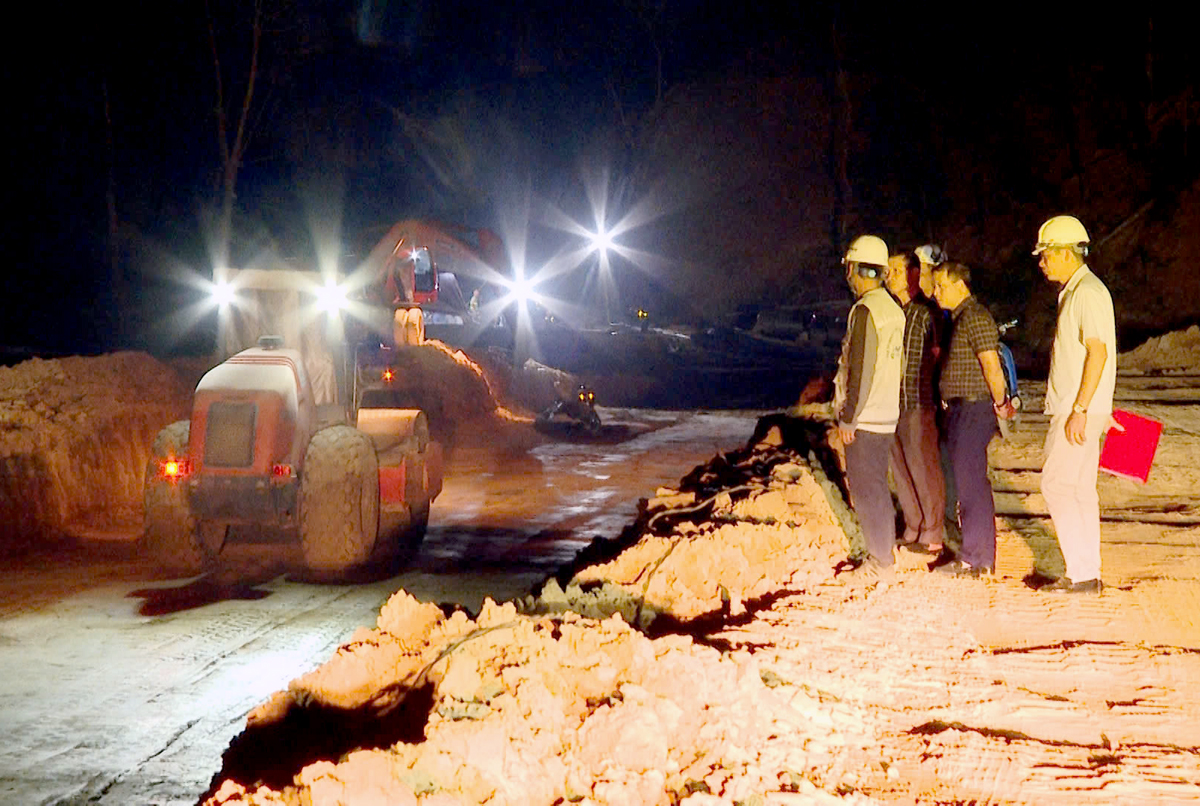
[[1069, 486]]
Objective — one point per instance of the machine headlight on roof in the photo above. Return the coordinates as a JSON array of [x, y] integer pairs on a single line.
[[331, 297], [522, 290], [222, 294]]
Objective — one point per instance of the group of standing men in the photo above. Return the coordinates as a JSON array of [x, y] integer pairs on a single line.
[[906, 396]]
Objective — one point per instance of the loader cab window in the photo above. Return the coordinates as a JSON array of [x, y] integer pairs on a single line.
[[423, 281]]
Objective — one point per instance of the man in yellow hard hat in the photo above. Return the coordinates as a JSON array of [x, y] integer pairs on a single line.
[[1079, 399], [866, 400]]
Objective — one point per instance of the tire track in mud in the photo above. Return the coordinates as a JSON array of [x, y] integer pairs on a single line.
[[986, 690], [191, 671]]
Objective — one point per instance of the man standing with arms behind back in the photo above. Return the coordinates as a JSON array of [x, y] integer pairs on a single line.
[[866, 400], [916, 459], [1079, 395], [974, 393]]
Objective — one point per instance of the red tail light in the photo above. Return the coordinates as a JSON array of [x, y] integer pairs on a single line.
[[281, 471]]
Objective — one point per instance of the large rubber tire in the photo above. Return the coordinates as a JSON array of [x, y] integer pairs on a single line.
[[416, 327], [169, 537], [416, 530], [339, 500]]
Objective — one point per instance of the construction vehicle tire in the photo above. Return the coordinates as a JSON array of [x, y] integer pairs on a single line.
[[339, 500], [169, 537], [414, 327], [416, 530], [211, 536], [408, 327]]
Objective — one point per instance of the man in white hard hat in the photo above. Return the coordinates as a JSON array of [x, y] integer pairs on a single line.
[[930, 256], [1079, 396], [866, 399]]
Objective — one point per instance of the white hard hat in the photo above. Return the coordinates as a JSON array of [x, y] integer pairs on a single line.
[[930, 253], [1062, 230], [868, 249]]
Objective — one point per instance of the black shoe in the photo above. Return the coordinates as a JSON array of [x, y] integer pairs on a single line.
[[947, 557], [921, 548], [1065, 585]]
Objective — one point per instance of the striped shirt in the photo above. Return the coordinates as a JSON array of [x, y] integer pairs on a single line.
[[920, 341], [973, 332]]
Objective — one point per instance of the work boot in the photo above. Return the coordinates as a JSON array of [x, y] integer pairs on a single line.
[[958, 568], [1065, 585]]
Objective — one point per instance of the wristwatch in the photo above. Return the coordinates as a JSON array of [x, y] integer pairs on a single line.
[[1078, 409]]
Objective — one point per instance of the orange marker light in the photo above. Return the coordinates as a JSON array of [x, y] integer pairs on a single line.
[[388, 375], [175, 469]]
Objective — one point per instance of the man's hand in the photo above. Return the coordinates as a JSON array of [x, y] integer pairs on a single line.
[[1005, 410], [1114, 425], [846, 432], [1075, 427]]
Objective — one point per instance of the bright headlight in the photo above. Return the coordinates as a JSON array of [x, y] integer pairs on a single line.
[[222, 294], [331, 297], [522, 290]]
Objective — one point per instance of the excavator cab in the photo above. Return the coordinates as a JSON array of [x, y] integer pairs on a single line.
[[424, 278]]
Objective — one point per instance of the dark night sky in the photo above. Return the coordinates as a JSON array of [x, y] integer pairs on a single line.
[[338, 73]]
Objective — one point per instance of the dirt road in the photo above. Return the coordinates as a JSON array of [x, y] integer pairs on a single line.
[[119, 687]]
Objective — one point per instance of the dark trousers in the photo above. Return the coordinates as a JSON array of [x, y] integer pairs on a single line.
[[866, 476], [970, 426], [917, 473]]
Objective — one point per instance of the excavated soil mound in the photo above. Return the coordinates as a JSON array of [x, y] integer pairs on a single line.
[[447, 382], [75, 435], [1176, 352]]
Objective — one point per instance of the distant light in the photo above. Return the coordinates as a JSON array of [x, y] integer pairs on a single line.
[[601, 242], [222, 294], [331, 297]]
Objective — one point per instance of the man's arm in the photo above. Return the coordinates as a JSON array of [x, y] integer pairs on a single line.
[[1093, 368], [856, 392], [993, 373], [862, 349]]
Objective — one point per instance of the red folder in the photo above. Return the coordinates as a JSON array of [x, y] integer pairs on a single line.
[[1130, 453]]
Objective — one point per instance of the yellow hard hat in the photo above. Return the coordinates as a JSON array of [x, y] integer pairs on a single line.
[[1062, 231]]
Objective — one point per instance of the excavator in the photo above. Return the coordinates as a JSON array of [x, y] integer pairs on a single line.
[[415, 267]]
